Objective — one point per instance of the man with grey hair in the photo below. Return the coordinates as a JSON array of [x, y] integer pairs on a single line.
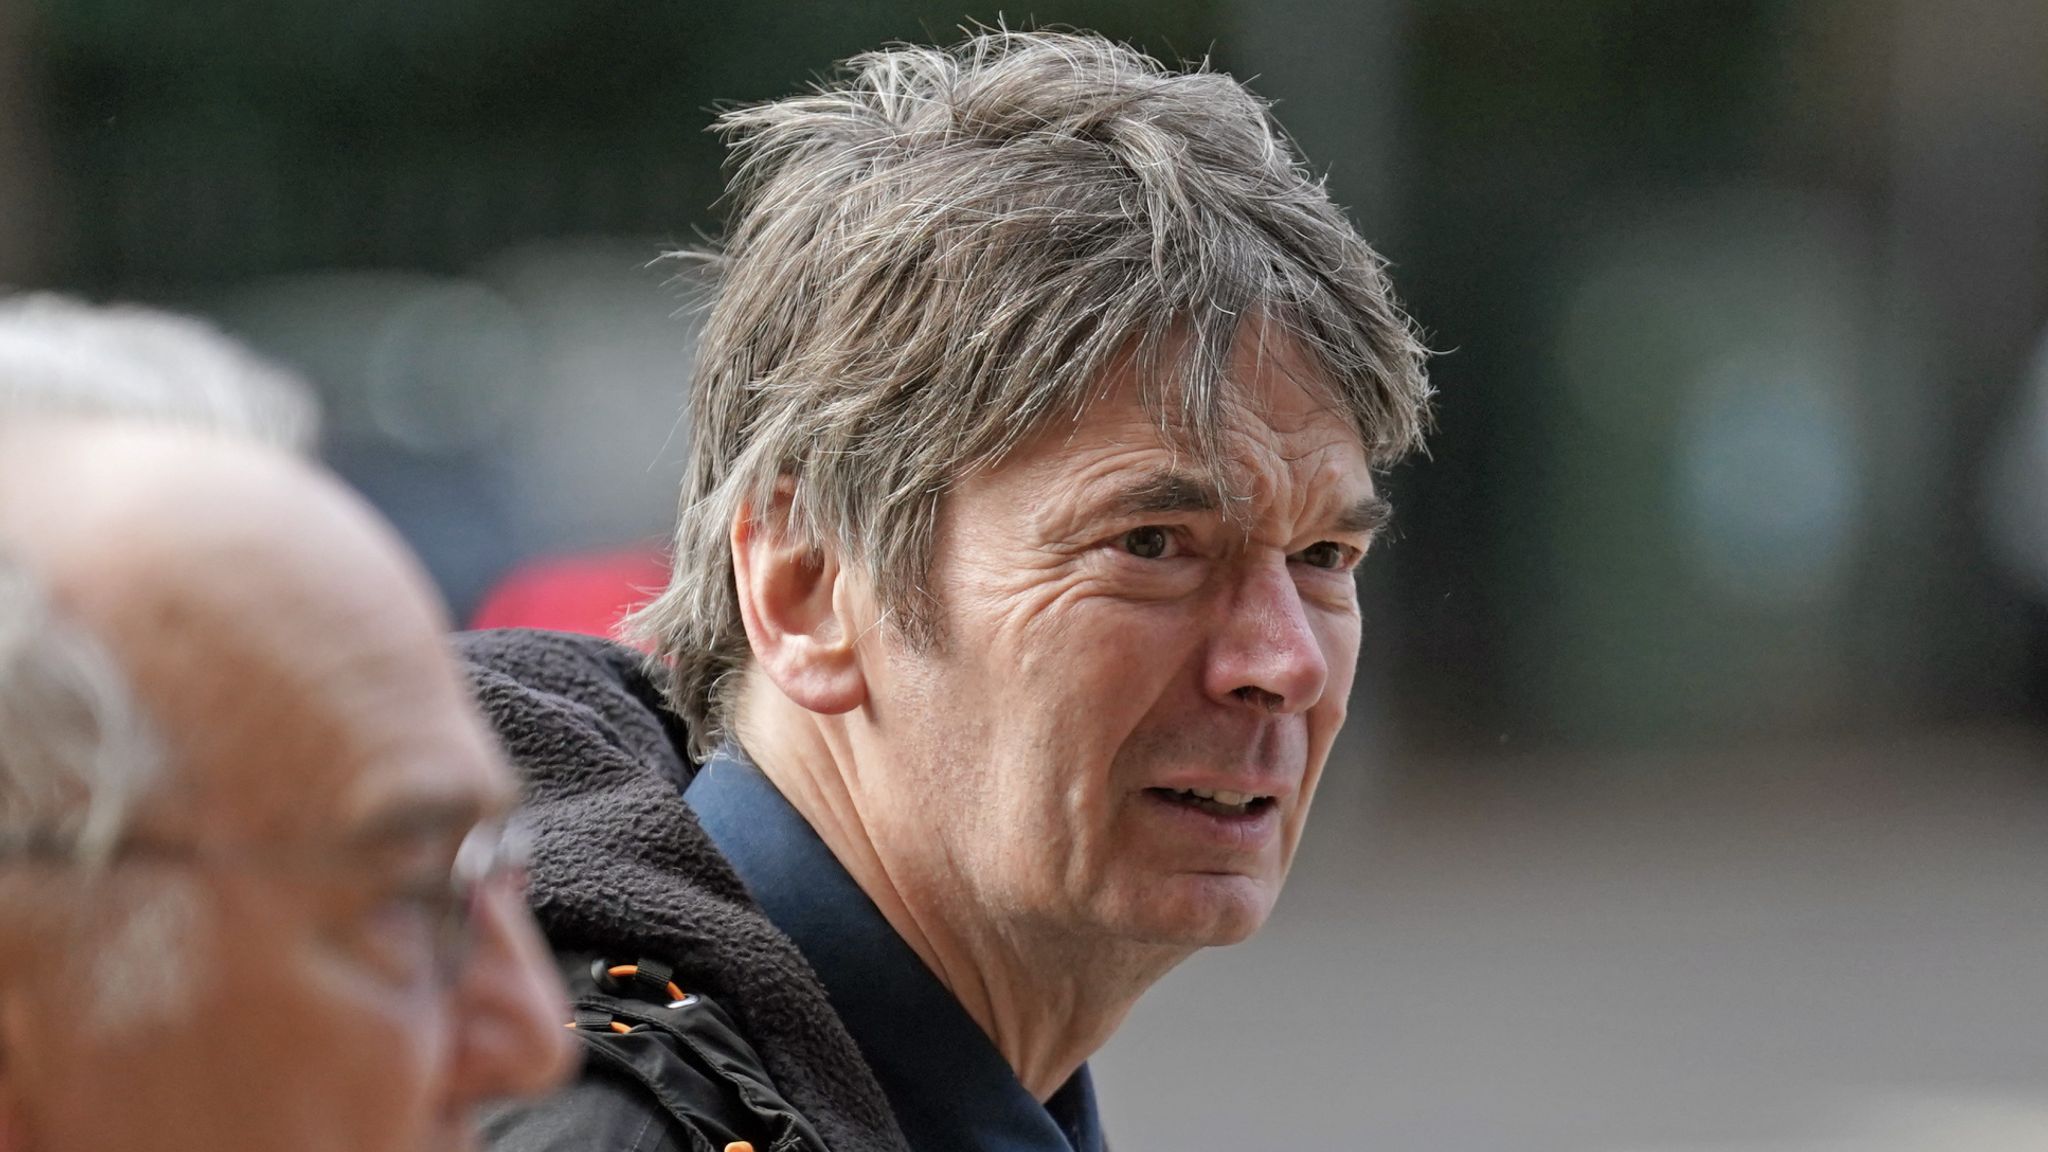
[[256, 892], [1012, 614]]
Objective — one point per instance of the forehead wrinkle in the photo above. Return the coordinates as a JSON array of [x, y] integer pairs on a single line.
[[1258, 473], [1276, 417], [272, 711], [1274, 349], [1273, 480]]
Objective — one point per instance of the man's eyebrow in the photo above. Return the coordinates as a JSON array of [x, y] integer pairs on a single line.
[[1178, 492], [1167, 492], [1366, 516]]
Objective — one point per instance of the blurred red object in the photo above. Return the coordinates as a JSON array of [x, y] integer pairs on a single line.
[[588, 593]]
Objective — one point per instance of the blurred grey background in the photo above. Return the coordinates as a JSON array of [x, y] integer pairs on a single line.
[[1697, 792]]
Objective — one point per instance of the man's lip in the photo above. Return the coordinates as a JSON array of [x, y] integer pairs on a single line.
[[1226, 836], [1250, 786]]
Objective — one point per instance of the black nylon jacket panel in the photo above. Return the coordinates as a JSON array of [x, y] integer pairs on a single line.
[[684, 1056]]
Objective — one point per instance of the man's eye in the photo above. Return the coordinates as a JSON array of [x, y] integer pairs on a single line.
[[1147, 543], [1326, 554], [399, 932]]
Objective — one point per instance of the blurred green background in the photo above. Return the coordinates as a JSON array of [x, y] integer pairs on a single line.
[[1734, 295], [1695, 793]]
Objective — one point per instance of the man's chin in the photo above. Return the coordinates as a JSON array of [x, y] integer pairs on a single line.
[[1201, 910]]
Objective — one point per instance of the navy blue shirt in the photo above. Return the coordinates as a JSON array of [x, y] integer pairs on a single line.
[[949, 1087]]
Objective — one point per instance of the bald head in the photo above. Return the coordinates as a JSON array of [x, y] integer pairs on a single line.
[[104, 500], [264, 616], [126, 362]]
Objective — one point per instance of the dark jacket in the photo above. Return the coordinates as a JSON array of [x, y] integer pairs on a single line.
[[624, 876]]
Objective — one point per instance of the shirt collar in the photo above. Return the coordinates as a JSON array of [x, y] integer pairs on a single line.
[[949, 1087]]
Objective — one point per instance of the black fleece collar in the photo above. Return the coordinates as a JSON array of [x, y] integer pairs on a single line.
[[622, 868]]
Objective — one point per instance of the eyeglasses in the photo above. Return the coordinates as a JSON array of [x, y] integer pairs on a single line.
[[493, 855]]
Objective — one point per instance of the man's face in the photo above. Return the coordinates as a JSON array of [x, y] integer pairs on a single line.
[[280, 989], [1119, 639]]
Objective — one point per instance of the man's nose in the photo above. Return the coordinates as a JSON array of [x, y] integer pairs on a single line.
[[1266, 653], [509, 1009]]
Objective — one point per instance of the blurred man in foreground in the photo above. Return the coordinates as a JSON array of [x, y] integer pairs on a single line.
[[256, 894], [1012, 614]]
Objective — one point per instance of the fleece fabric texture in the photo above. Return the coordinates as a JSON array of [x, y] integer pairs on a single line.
[[622, 868]]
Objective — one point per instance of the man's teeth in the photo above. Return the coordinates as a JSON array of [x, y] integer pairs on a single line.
[[1221, 796]]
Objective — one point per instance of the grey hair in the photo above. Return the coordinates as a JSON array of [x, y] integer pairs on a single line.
[[64, 357], [76, 754], [77, 757], [941, 252]]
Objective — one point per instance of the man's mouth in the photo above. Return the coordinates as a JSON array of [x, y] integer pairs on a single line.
[[1215, 801]]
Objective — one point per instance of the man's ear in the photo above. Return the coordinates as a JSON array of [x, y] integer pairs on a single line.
[[798, 621]]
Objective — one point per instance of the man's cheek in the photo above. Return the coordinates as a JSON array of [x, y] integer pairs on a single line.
[[1341, 658]]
